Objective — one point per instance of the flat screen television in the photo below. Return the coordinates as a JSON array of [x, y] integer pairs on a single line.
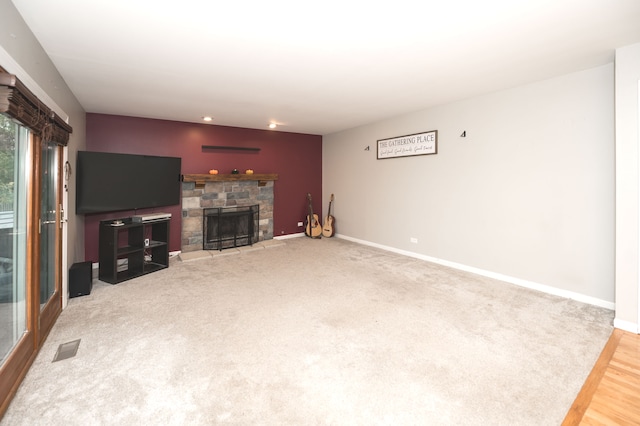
[[107, 182]]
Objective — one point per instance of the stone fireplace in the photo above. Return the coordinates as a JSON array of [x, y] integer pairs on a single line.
[[227, 192]]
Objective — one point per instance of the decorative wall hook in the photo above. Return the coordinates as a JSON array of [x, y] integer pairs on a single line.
[[367, 148], [464, 134]]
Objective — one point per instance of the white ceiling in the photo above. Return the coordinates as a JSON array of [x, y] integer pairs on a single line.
[[315, 67]]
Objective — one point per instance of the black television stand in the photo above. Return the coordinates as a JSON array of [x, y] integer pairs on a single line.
[[129, 249]]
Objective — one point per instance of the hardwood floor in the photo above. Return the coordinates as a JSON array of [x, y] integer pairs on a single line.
[[611, 393]]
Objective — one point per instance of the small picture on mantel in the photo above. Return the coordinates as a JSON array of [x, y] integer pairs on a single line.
[[410, 145]]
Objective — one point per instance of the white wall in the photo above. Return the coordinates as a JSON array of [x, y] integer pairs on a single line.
[[528, 194], [627, 187]]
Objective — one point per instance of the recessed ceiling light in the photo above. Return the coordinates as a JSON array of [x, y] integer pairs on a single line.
[[207, 118], [272, 125]]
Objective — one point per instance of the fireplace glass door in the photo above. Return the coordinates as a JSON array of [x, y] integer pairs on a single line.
[[230, 227]]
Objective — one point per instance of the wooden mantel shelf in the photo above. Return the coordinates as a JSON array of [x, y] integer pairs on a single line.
[[202, 178]]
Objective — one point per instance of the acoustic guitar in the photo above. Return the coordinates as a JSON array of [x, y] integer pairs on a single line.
[[327, 229], [313, 230]]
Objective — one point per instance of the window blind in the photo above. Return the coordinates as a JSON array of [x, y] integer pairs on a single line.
[[20, 103]]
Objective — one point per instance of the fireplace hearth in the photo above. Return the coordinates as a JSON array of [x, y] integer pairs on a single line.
[[227, 227]]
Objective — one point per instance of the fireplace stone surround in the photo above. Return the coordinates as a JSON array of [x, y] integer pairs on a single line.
[[224, 190]]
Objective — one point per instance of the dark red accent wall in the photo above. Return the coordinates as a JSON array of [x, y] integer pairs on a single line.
[[295, 157]]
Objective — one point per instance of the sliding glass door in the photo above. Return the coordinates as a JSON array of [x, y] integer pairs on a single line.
[[32, 141], [18, 316], [30, 248], [50, 232], [13, 234]]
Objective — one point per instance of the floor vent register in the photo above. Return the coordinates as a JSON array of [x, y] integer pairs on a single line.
[[67, 350]]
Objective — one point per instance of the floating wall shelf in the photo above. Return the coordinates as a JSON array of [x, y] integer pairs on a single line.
[[232, 148]]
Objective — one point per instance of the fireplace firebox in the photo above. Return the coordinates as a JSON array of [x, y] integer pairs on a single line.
[[227, 227]]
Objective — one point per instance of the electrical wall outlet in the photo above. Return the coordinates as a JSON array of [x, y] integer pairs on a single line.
[[413, 240], [300, 224]]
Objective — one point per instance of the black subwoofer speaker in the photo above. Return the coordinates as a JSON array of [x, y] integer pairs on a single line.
[[80, 279]]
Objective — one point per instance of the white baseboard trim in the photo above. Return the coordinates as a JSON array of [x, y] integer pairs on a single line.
[[286, 237], [512, 280], [626, 326]]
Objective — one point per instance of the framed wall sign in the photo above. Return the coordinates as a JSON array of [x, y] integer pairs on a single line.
[[406, 146]]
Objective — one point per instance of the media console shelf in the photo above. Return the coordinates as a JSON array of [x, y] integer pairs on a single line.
[[129, 249]]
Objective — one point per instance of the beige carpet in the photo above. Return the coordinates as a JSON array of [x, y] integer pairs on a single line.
[[313, 332]]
